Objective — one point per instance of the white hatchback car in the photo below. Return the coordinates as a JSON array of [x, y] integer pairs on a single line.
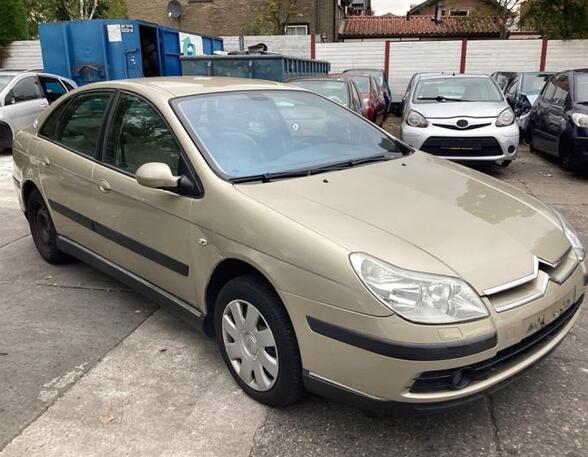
[[23, 96], [460, 117]]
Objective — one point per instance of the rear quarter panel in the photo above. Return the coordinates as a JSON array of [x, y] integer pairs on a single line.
[[25, 164]]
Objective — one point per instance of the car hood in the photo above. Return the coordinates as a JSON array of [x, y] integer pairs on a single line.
[[445, 110], [478, 228]]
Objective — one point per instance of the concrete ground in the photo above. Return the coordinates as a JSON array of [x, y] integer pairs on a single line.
[[90, 368]]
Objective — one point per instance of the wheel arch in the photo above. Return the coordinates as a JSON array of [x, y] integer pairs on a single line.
[[27, 188], [225, 271], [6, 135]]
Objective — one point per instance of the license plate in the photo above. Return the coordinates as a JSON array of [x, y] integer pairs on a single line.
[[538, 321]]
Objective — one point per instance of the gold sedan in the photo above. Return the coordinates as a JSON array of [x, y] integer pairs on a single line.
[[322, 253]]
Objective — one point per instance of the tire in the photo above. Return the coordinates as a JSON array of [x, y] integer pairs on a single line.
[[43, 230], [505, 163], [249, 294], [567, 161]]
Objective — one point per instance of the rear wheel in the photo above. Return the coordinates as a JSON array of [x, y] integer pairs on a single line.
[[43, 230], [257, 341]]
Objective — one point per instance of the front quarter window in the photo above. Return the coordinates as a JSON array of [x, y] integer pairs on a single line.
[[253, 133]]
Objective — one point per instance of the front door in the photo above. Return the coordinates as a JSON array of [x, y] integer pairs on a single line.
[[146, 231]]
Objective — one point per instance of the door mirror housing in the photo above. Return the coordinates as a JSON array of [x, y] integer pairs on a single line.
[[156, 175]]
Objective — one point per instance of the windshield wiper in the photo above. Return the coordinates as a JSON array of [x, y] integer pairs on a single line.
[[442, 98], [267, 177]]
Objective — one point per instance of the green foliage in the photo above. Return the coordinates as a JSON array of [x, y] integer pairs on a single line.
[[558, 19], [13, 23], [39, 11], [273, 18]]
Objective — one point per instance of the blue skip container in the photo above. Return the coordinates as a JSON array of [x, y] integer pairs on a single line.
[[107, 49]]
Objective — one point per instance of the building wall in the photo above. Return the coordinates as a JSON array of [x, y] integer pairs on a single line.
[[232, 17], [478, 7], [289, 45]]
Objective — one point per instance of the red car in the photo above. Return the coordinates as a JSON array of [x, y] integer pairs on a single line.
[[371, 93]]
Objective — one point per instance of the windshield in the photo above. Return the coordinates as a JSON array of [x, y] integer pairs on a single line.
[[4, 80], [456, 89], [254, 133], [533, 84], [581, 84], [333, 90], [363, 83], [377, 74]]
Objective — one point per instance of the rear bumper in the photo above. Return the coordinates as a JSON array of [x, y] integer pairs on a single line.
[[548, 341]]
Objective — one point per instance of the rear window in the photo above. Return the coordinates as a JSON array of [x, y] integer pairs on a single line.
[[333, 90], [363, 83], [457, 90]]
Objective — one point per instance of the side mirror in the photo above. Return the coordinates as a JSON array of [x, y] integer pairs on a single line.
[[156, 175]]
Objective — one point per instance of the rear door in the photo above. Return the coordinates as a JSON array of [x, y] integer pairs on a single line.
[[146, 231], [24, 102], [67, 147], [52, 88]]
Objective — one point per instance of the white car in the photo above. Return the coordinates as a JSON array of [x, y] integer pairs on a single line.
[[460, 117], [23, 96]]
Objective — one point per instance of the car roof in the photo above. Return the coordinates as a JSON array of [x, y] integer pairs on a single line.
[[362, 69], [182, 86], [317, 78]]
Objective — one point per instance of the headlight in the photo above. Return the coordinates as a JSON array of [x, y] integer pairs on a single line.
[[418, 297], [572, 236], [505, 118], [581, 120], [416, 119]]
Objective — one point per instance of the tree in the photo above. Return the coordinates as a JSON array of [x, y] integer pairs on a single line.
[[557, 19], [507, 14], [39, 11], [13, 23], [274, 17]]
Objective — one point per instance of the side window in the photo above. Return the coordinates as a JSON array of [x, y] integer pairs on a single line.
[[24, 90], [52, 88], [48, 129], [67, 85], [512, 87], [139, 135], [80, 126], [549, 91], [355, 96], [562, 88]]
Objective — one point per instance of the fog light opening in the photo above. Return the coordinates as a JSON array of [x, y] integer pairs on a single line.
[[511, 149], [461, 379]]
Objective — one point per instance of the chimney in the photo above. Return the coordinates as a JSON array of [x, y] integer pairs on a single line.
[[438, 13]]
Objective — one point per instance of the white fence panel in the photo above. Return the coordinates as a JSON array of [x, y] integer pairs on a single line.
[[407, 58], [488, 56], [21, 55], [348, 55], [289, 45], [566, 55]]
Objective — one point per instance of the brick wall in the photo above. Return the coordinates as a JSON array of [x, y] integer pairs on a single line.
[[231, 17], [478, 7]]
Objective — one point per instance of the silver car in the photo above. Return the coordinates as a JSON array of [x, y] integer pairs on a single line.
[[460, 117], [23, 96]]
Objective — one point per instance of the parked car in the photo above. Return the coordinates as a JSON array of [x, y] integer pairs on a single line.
[[460, 117], [23, 96], [558, 123], [341, 90], [522, 92], [381, 79], [371, 95], [321, 252], [503, 78]]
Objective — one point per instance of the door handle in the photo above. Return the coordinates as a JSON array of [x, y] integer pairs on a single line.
[[104, 186], [45, 162]]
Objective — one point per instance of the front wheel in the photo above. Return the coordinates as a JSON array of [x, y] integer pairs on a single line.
[[257, 341]]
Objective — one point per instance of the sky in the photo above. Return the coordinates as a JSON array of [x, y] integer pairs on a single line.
[[399, 7]]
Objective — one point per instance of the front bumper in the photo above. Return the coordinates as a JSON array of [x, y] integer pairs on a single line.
[[579, 151], [507, 138], [380, 374]]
